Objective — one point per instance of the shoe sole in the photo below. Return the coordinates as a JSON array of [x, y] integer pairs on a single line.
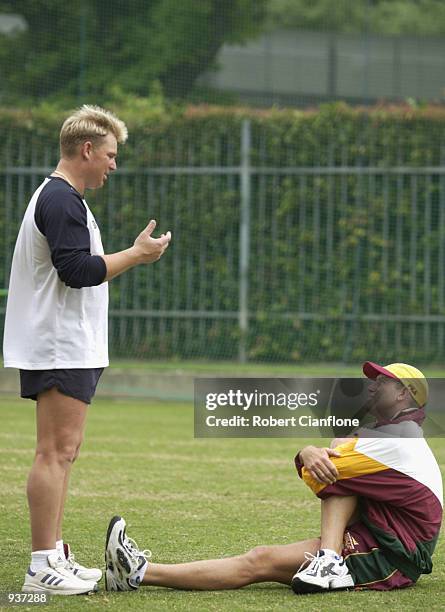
[[37, 589], [111, 584], [111, 525], [300, 587], [121, 559]]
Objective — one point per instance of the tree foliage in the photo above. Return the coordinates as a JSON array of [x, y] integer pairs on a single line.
[[414, 17], [89, 47]]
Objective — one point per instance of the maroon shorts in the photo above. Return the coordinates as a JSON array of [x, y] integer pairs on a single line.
[[367, 563]]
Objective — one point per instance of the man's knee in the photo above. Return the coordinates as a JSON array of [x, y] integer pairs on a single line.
[[77, 452], [258, 561], [63, 453]]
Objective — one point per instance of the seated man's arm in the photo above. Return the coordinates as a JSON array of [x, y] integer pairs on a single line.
[[318, 463], [359, 470]]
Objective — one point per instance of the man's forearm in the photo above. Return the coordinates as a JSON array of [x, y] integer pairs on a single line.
[[120, 262], [318, 463]]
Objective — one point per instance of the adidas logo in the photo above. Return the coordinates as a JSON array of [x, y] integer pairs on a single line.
[[52, 580]]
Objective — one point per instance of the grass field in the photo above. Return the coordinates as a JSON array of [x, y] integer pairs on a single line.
[[182, 498], [233, 368]]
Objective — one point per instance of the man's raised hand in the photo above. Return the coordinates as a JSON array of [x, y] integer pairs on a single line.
[[151, 249]]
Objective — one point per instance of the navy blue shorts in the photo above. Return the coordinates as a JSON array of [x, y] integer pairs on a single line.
[[78, 383]]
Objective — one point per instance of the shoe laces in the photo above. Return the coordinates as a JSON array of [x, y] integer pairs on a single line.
[[71, 562], [133, 549], [311, 562], [61, 566]]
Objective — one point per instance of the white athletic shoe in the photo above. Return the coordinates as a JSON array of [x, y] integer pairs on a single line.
[[322, 573], [56, 579], [123, 559], [84, 573]]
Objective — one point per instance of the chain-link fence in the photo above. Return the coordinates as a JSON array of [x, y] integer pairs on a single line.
[[284, 247]]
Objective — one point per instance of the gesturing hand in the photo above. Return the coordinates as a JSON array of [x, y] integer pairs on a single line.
[[150, 249], [317, 462]]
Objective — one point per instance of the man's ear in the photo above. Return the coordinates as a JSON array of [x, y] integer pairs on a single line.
[[404, 394], [86, 149]]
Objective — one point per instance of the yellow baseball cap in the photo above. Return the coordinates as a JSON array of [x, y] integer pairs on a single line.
[[408, 375]]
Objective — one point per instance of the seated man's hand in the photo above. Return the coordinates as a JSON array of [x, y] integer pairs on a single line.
[[317, 462]]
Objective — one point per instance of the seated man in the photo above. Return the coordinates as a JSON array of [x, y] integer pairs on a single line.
[[381, 511]]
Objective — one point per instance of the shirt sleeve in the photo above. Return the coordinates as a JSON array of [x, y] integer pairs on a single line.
[[62, 218], [358, 474], [298, 464]]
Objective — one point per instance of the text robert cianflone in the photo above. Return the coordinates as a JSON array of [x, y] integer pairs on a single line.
[[271, 421], [240, 399]]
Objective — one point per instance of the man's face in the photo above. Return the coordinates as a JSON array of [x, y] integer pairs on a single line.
[[386, 394], [101, 161]]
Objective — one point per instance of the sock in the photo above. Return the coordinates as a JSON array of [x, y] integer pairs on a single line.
[[138, 576], [39, 559], [330, 553], [60, 549]]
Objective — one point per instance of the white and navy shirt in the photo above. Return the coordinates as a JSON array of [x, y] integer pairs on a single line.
[[57, 311]]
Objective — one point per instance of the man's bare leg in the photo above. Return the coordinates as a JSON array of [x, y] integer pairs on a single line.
[[261, 564], [336, 513], [60, 423], [65, 488], [62, 504]]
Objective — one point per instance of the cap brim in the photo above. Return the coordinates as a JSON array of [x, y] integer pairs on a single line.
[[372, 370]]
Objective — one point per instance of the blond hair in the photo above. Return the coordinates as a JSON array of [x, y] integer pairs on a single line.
[[90, 123]]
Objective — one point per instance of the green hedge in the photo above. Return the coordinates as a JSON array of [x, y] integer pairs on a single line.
[[327, 249]]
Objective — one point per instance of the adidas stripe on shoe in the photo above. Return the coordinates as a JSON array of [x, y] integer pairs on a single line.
[[56, 579]]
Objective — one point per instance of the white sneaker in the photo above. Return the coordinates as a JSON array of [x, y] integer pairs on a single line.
[[84, 573], [124, 561], [322, 573], [56, 579]]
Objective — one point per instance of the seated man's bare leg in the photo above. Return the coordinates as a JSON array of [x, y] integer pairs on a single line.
[[261, 564], [336, 513], [60, 424], [328, 571]]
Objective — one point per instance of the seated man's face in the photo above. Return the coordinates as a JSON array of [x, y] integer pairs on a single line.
[[385, 396]]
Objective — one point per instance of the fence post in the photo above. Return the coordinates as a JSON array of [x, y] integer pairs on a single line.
[[244, 239]]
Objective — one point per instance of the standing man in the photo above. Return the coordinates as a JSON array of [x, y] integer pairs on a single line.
[[56, 328]]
